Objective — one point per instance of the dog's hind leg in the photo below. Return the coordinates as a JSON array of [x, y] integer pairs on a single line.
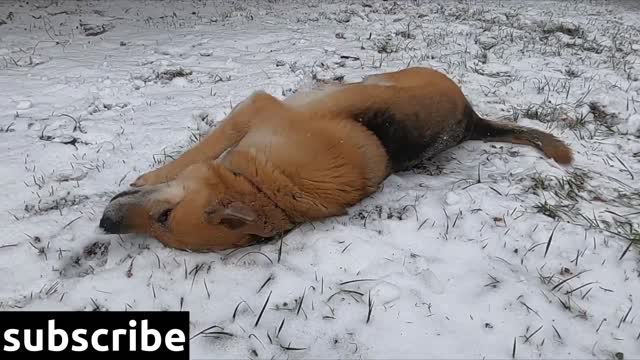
[[231, 130]]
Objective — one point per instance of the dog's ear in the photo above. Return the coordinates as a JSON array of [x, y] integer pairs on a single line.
[[233, 216]]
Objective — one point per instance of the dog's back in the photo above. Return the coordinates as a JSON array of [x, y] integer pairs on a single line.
[[414, 113], [418, 112]]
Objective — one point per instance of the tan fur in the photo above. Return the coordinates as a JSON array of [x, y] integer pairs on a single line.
[[272, 164]]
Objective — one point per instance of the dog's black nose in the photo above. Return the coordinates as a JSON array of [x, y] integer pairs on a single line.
[[110, 226]]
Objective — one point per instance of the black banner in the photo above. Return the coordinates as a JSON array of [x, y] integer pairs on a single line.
[[100, 335]]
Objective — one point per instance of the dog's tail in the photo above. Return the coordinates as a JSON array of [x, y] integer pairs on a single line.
[[482, 129]]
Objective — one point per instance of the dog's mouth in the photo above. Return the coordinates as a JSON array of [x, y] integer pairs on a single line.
[[125, 193]]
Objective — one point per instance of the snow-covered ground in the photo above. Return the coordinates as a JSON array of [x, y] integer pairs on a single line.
[[489, 250]]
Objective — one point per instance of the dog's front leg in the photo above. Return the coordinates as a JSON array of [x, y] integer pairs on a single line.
[[231, 130]]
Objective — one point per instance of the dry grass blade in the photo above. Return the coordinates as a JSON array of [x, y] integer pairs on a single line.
[[567, 279], [345, 291], [579, 287], [72, 221], [186, 273], [357, 280], [546, 250], [235, 312], [265, 283], [301, 301], [625, 166], [493, 282], [204, 281], [557, 332], [624, 318], [262, 311], [291, 348], [280, 327], [587, 293], [370, 308], [530, 309], [526, 339], [255, 252], [205, 330], [217, 333], [626, 250]]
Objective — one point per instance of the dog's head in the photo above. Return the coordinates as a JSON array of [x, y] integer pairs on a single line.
[[206, 208]]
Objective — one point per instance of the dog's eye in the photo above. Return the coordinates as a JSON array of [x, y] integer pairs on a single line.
[[164, 216]]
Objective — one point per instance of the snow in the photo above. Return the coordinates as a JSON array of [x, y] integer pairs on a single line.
[[484, 246], [633, 124], [24, 105]]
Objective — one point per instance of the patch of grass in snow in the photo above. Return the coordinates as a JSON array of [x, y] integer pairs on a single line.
[[566, 28], [561, 197], [565, 193], [7, 129], [570, 187]]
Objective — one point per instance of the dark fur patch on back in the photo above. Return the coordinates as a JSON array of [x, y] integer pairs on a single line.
[[404, 143]]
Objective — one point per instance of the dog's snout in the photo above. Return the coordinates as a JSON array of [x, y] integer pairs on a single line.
[[118, 216], [125, 193], [110, 225]]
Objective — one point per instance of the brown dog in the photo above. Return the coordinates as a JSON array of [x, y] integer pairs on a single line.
[[273, 164]]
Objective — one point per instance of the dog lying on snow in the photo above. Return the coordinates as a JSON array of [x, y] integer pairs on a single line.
[[273, 164]]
